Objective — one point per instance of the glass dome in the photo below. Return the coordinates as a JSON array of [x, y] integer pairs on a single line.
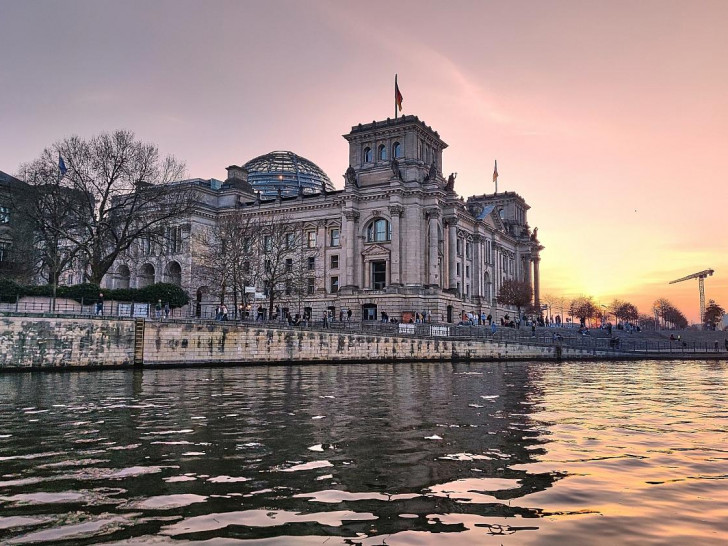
[[287, 171]]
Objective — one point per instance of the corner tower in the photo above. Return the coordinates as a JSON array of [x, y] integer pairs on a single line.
[[404, 148]]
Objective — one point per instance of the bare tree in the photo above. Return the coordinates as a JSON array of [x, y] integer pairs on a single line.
[[48, 211], [226, 255], [122, 192], [283, 259], [626, 311], [514, 292], [583, 308], [551, 301], [713, 313]]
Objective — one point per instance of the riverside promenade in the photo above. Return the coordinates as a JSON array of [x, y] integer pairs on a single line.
[[31, 342]]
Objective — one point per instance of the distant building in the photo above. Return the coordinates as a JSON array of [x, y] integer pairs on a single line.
[[16, 260], [397, 239]]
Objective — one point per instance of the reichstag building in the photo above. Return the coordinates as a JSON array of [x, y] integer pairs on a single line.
[[397, 239]]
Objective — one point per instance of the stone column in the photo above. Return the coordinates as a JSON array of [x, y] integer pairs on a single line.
[[452, 250], [322, 269], [351, 218], [536, 286], [477, 266], [395, 267], [433, 277], [463, 262]]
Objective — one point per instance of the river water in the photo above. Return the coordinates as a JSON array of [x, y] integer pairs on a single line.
[[400, 454]]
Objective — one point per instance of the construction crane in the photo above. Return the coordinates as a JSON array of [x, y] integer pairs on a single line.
[[700, 275]]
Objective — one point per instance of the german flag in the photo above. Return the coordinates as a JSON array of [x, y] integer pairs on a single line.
[[397, 95]]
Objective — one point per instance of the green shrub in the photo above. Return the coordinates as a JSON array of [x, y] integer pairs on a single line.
[[9, 290], [88, 293], [168, 293]]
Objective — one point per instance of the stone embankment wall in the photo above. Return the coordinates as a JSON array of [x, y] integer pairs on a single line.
[[201, 343], [54, 342], [51, 342]]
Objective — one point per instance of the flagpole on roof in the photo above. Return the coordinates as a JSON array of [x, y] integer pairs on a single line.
[[395, 96], [495, 175]]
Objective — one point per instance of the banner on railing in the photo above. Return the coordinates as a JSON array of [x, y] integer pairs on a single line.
[[406, 328], [439, 331], [141, 310]]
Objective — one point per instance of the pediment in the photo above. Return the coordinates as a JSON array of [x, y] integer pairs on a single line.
[[376, 250]]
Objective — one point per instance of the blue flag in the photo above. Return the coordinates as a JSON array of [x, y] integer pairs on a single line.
[[61, 165]]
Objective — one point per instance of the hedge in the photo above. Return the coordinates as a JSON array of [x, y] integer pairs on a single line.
[[89, 293]]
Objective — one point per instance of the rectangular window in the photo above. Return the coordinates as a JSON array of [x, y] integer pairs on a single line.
[[457, 268], [289, 265], [4, 249], [246, 267], [174, 240], [311, 263], [145, 245], [379, 275], [468, 250], [459, 247], [310, 286], [290, 241], [267, 243], [334, 284], [267, 266], [334, 237], [311, 239], [4, 215], [467, 271], [334, 261]]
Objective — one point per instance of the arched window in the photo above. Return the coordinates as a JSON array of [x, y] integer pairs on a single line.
[[382, 152], [367, 155], [173, 273], [378, 231], [396, 150], [122, 277], [146, 276]]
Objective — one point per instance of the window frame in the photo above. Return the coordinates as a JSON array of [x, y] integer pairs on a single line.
[[335, 241], [377, 235]]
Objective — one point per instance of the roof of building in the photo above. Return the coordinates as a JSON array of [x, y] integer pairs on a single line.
[[287, 171]]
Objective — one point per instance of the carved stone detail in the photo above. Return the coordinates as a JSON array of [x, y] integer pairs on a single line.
[[433, 212], [396, 210]]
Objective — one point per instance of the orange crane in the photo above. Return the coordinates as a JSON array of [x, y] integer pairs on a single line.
[[700, 275]]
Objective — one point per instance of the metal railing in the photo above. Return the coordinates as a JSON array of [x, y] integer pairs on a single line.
[[542, 337]]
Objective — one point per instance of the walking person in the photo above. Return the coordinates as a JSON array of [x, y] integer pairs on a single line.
[[166, 310], [158, 309], [100, 305]]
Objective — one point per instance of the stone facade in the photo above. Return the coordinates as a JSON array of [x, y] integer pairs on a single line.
[[397, 239]]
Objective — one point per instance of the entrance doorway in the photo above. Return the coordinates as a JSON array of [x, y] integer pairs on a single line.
[[369, 311]]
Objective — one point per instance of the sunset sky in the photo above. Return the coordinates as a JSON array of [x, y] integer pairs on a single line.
[[609, 118]]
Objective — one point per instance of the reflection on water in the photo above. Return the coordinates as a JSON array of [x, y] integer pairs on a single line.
[[517, 453]]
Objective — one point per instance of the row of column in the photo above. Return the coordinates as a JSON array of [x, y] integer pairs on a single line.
[[354, 245]]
